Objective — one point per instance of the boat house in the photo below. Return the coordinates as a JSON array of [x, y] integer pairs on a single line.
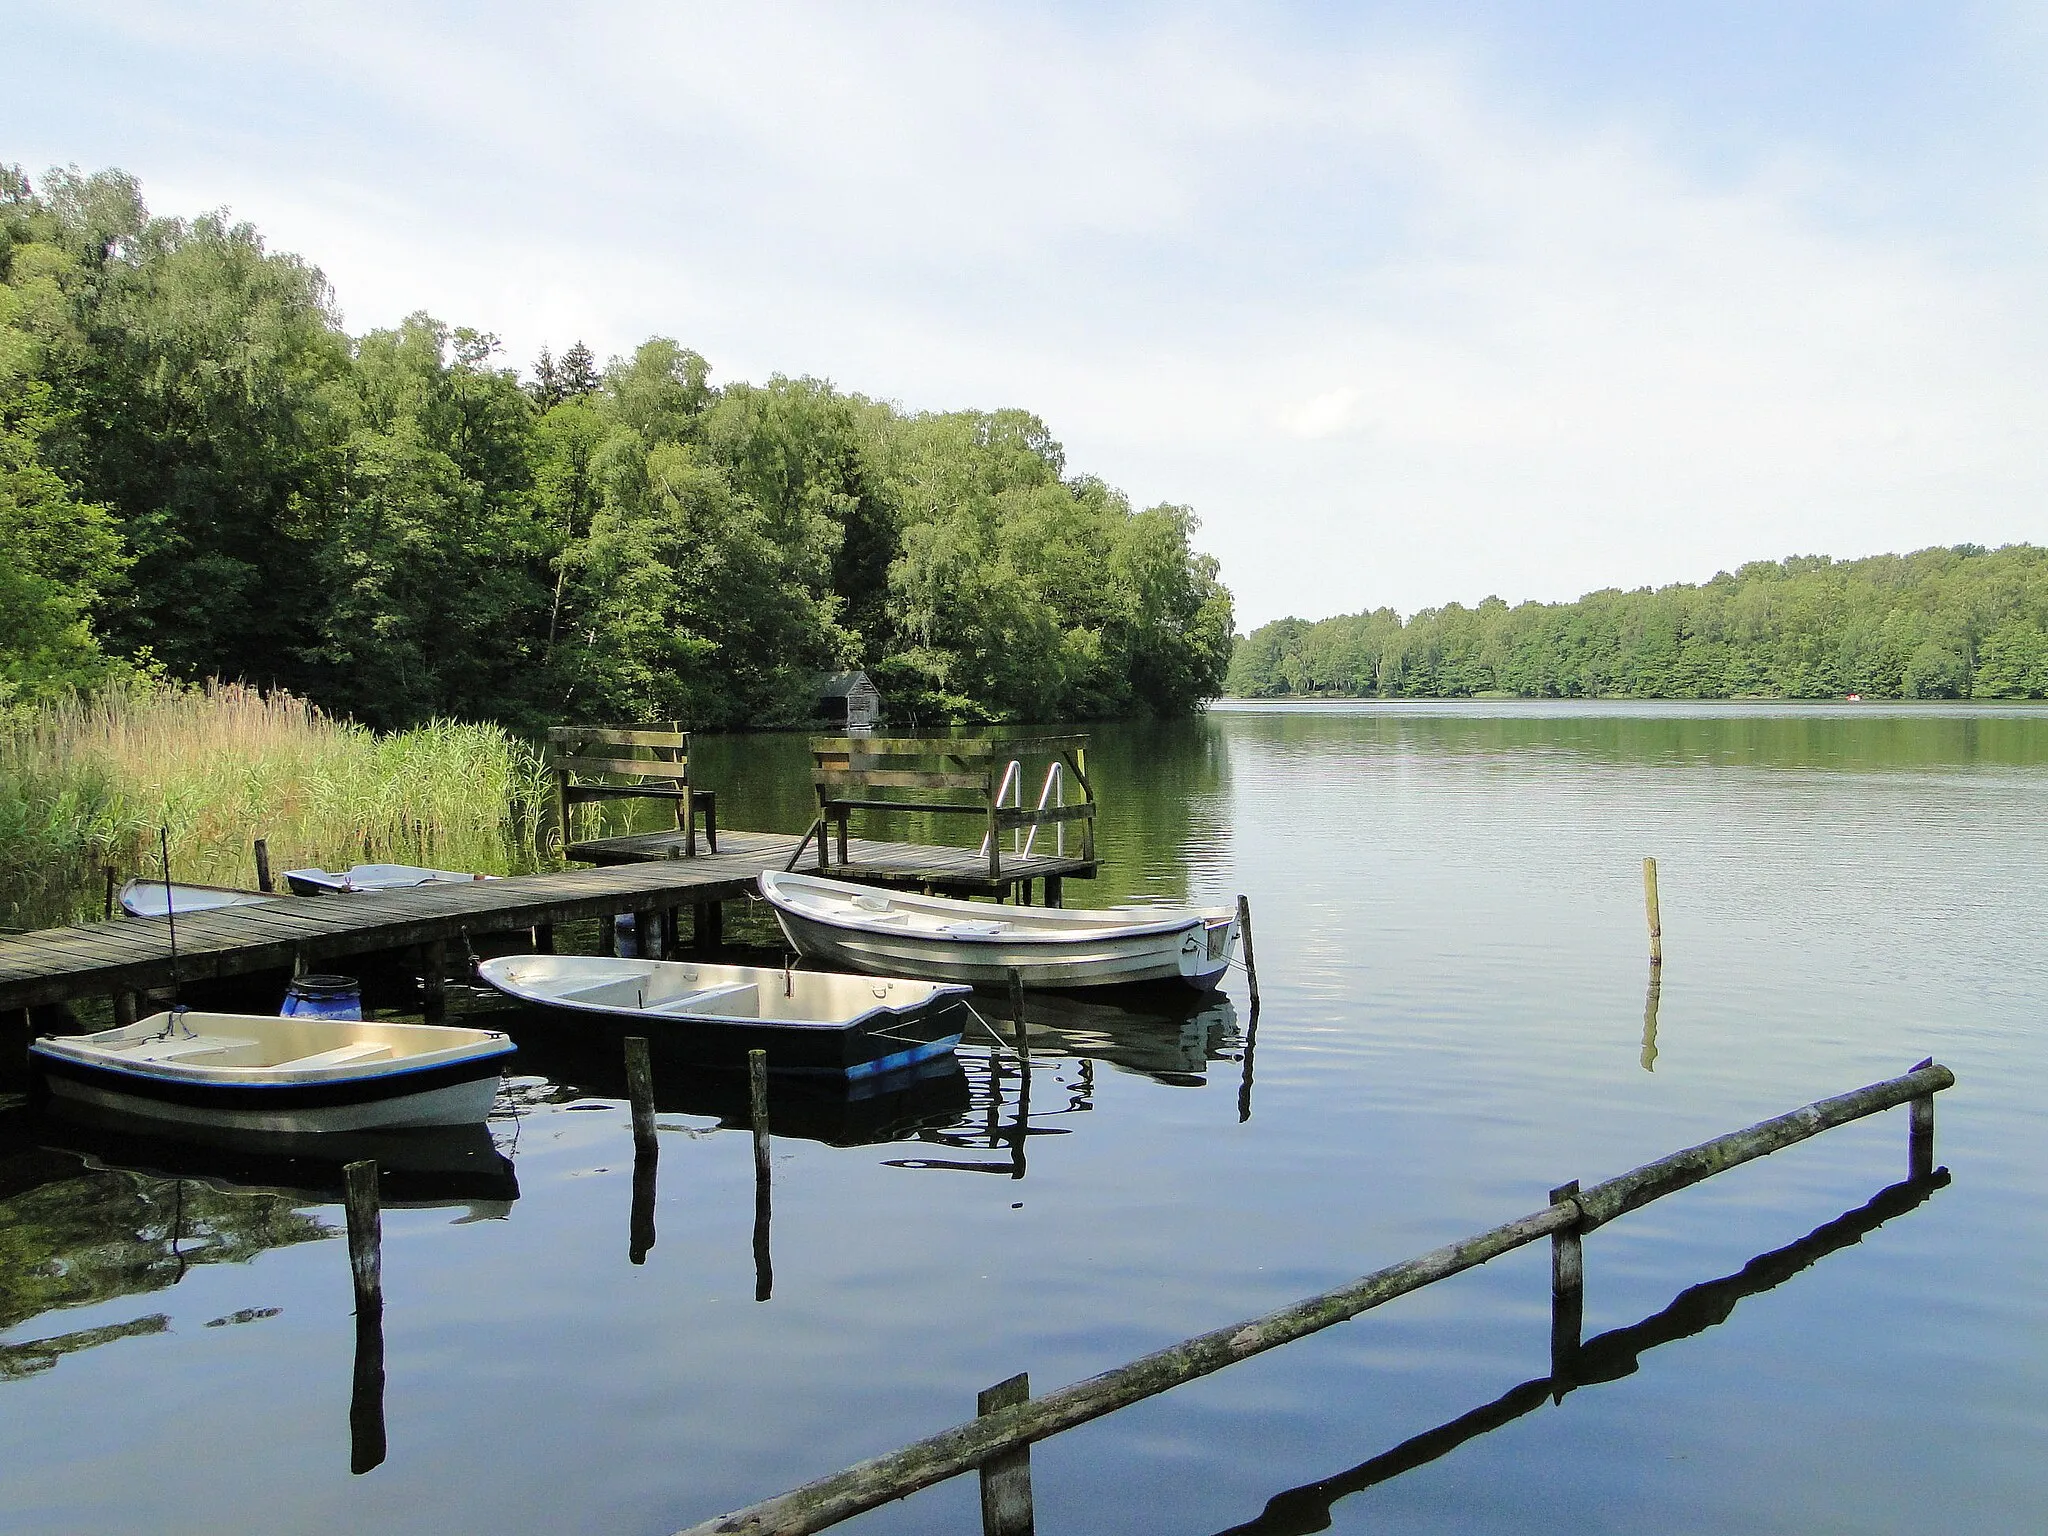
[[850, 699]]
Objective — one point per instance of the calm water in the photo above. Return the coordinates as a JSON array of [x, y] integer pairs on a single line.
[[1456, 1018]]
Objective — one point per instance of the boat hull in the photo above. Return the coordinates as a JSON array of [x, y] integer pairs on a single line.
[[458, 1094], [1085, 962]]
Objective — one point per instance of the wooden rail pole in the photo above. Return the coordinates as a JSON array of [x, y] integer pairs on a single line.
[[1650, 910], [263, 865], [1920, 1132], [1006, 1477], [965, 1447], [1567, 1293], [757, 1104], [1251, 962]]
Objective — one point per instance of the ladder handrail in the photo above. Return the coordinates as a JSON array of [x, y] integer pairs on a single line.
[[1013, 786], [1055, 778]]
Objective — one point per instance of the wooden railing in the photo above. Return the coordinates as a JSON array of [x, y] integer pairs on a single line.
[[947, 775], [588, 763]]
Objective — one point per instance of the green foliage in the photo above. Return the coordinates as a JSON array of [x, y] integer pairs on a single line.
[[196, 463], [1937, 624]]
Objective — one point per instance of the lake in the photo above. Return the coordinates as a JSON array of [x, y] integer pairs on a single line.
[[1457, 1016]]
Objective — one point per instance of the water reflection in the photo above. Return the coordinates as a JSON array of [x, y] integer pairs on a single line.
[[1608, 1357], [1650, 997]]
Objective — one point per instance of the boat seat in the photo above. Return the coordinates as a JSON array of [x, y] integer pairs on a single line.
[[183, 1048], [341, 1055], [708, 1000]]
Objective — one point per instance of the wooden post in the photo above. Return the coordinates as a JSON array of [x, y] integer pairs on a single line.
[[671, 934], [365, 1234], [1017, 1019], [112, 876], [544, 938], [1567, 1294], [640, 1093], [1055, 890], [995, 836], [1920, 1132], [1650, 910], [1251, 961], [124, 1008], [433, 979], [1006, 1476], [757, 1105], [647, 935], [845, 819], [263, 866], [707, 934]]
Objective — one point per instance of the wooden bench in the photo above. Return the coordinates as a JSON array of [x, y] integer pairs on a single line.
[[987, 777], [590, 762]]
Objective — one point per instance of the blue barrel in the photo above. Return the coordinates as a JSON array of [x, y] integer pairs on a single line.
[[324, 997]]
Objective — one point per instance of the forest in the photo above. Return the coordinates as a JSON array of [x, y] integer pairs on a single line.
[[1963, 622], [204, 476]]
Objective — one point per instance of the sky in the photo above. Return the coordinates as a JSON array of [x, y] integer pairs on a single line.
[[1410, 303]]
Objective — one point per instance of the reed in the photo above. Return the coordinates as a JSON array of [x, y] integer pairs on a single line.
[[85, 782]]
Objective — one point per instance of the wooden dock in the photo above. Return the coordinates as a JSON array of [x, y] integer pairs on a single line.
[[647, 874], [924, 866]]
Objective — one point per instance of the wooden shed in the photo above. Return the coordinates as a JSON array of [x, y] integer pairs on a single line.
[[850, 699]]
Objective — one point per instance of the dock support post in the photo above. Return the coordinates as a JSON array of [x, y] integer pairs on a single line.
[[1055, 891], [708, 927], [646, 1151], [757, 1106], [1006, 1477], [263, 865], [646, 935], [112, 876], [1651, 911], [433, 979], [671, 935], [1567, 1294], [1251, 960], [544, 938], [365, 1262], [124, 1008], [1920, 1132]]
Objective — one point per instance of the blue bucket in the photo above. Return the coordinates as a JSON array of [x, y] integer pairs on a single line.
[[324, 997]]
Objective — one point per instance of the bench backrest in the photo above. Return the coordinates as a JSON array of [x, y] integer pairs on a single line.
[[592, 762]]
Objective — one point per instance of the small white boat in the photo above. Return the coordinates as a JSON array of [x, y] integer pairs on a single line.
[[253, 1072], [373, 877], [897, 933], [807, 1021], [152, 898]]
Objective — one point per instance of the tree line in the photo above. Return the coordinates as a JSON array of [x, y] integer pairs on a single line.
[[203, 474], [1963, 622]]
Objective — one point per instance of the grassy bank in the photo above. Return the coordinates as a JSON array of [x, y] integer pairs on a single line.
[[87, 783]]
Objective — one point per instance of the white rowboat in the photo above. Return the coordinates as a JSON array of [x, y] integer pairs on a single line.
[[254, 1072], [373, 877], [807, 1021], [897, 933], [151, 898]]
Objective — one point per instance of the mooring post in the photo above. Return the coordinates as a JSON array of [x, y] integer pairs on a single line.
[[365, 1234], [1567, 1294], [646, 1153], [1920, 1131], [112, 876], [1251, 962], [1650, 911], [1006, 1476], [757, 1105], [124, 1008], [263, 865], [433, 979]]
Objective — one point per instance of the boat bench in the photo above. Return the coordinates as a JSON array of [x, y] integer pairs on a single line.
[[742, 998], [189, 1046], [341, 1055]]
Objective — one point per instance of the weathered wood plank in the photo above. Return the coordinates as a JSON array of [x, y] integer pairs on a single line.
[[945, 746], [680, 740], [646, 767], [863, 778]]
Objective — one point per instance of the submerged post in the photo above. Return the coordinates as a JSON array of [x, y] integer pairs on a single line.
[[1006, 1476], [1017, 1015], [1251, 963], [1920, 1132], [1567, 1293], [263, 866], [1650, 910]]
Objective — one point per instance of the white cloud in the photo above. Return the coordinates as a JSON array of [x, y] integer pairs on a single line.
[[1399, 333]]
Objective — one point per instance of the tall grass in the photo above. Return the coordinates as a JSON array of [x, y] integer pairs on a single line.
[[87, 782]]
